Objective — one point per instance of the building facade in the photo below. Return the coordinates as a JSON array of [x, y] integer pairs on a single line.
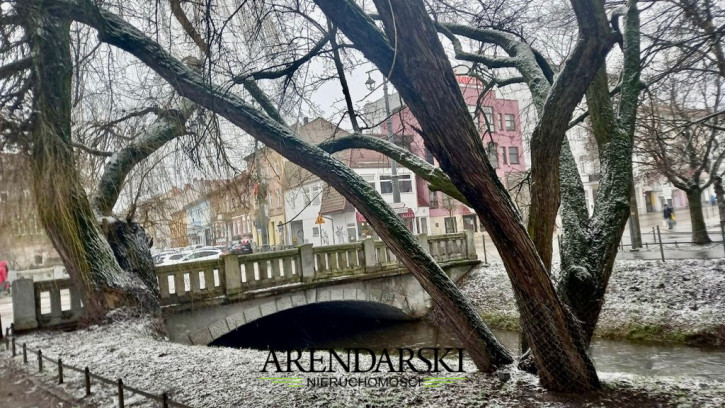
[[23, 242], [499, 125]]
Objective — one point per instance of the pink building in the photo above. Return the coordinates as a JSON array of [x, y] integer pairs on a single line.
[[498, 122]]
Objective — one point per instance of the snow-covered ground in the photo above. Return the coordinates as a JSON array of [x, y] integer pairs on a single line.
[[676, 300], [129, 348]]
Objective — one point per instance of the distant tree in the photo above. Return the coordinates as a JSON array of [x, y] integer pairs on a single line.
[[683, 144]]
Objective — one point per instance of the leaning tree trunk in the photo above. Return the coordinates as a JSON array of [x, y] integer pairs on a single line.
[[62, 205], [422, 75], [699, 228]]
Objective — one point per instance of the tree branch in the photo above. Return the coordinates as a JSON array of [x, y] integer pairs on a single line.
[[439, 181]]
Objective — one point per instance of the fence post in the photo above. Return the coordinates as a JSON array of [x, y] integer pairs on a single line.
[[654, 237], [722, 232], [60, 371], [87, 373], [485, 256], [14, 353], [12, 329], [120, 393], [165, 400], [40, 360], [25, 354], [662, 251]]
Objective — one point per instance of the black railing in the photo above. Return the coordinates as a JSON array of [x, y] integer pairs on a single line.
[[163, 398]]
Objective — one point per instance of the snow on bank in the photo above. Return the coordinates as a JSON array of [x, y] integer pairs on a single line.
[[678, 300], [223, 377]]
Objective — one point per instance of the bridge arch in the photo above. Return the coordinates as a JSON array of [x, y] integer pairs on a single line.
[[312, 325]]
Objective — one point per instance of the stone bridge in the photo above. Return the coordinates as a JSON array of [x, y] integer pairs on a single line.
[[203, 301]]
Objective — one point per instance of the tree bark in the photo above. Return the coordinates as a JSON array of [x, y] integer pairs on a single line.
[[63, 207], [699, 227]]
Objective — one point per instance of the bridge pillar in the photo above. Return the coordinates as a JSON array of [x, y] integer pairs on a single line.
[[371, 261], [307, 262], [24, 304], [423, 242], [232, 274], [471, 245]]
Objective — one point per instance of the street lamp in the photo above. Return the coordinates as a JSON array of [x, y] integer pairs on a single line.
[[370, 84]]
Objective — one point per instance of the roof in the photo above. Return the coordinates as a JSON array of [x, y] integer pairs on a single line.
[[332, 202], [297, 176]]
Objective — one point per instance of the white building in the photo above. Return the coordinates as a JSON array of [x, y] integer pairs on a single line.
[[307, 198]]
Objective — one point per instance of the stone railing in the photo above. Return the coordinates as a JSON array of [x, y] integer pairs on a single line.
[[45, 304], [239, 276]]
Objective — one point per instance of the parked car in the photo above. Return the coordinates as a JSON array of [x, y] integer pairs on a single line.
[[202, 255], [242, 247], [161, 257], [170, 259]]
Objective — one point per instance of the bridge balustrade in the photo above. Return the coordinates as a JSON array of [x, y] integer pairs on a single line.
[[239, 276]]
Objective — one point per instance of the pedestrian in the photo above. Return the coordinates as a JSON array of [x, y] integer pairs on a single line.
[[713, 199], [3, 274], [667, 215]]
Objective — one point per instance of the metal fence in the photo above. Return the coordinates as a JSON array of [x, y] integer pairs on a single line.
[[163, 398], [679, 247]]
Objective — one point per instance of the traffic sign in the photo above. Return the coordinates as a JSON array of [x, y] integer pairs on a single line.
[[319, 219]]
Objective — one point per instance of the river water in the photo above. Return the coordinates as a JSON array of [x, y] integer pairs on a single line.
[[328, 327]]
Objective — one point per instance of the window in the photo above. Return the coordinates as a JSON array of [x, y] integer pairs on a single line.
[[279, 198], [386, 185], [370, 179], [316, 194], [472, 111], [404, 184], [513, 155], [488, 114], [510, 122], [306, 195], [500, 121], [433, 199], [503, 155], [493, 154]]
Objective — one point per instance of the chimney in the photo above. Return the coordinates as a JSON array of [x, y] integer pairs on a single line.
[[305, 120]]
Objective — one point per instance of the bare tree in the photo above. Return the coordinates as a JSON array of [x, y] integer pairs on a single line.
[[674, 141]]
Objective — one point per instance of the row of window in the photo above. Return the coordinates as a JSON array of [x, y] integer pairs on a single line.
[[505, 120], [405, 184], [510, 157]]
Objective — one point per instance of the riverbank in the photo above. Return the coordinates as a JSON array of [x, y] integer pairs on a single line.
[[129, 348], [678, 301]]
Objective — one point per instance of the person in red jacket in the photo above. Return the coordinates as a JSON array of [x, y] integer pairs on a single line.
[[3, 274]]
